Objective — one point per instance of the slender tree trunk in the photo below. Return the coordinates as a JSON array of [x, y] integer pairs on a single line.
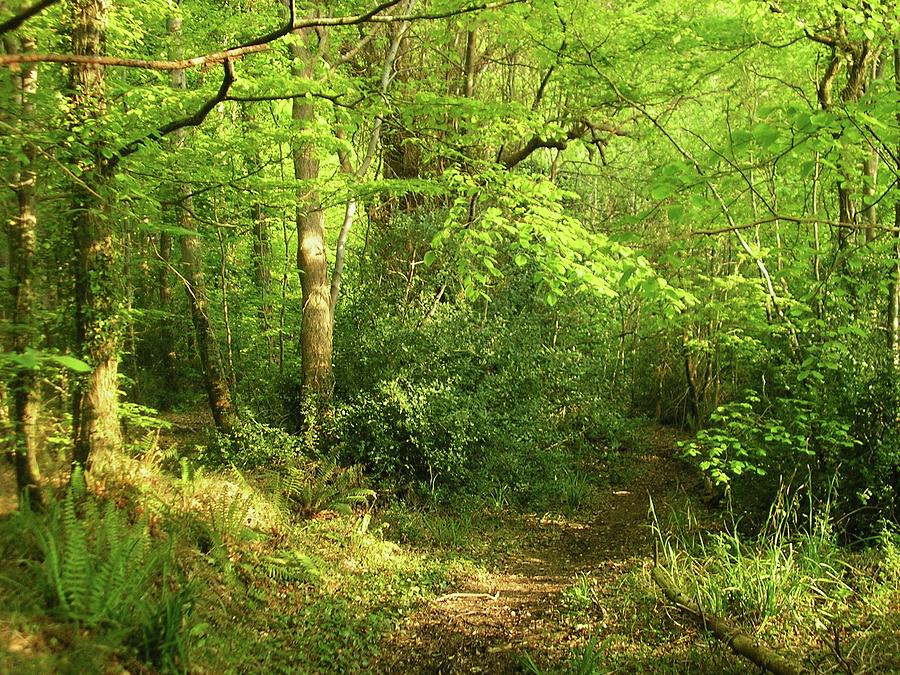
[[387, 76], [164, 289], [21, 233], [893, 315], [214, 376], [262, 252], [870, 211], [316, 329], [262, 274], [98, 324]]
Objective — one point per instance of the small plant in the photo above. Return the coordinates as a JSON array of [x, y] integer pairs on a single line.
[[105, 573], [308, 487], [581, 596]]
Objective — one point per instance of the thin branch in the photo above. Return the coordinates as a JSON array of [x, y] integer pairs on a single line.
[[194, 120], [334, 98], [15, 21], [260, 44], [791, 219]]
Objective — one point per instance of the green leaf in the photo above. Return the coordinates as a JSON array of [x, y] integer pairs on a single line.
[[676, 214], [71, 363], [764, 134], [430, 257], [661, 191], [520, 260]]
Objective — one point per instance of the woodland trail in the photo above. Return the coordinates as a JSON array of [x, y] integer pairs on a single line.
[[490, 623]]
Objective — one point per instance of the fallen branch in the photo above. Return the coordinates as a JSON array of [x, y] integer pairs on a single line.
[[453, 596], [739, 642]]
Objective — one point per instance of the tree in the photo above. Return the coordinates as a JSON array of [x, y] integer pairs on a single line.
[[98, 322], [21, 232]]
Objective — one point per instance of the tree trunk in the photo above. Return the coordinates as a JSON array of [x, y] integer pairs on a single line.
[[316, 325], [164, 287], [21, 232], [262, 251], [98, 324], [870, 211], [214, 376], [893, 317]]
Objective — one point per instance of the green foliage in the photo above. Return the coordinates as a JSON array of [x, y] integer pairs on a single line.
[[98, 569], [581, 596], [95, 567], [252, 445], [791, 577], [305, 488]]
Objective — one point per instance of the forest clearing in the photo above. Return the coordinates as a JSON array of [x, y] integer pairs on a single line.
[[450, 336]]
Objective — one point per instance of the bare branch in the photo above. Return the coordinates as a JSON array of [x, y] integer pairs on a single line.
[[14, 22], [790, 219], [194, 120], [334, 98], [260, 44]]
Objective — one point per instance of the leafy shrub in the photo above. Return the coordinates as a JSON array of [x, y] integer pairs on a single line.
[[253, 444], [418, 431], [745, 440]]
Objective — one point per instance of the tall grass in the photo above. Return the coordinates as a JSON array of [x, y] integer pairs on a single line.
[[791, 581]]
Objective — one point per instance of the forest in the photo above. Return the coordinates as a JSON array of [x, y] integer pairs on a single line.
[[450, 336]]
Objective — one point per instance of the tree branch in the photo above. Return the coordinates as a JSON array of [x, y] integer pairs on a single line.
[[791, 219], [260, 44], [194, 120], [15, 21]]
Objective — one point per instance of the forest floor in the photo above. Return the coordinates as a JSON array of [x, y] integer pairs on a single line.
[[404, 589], [556, 584]]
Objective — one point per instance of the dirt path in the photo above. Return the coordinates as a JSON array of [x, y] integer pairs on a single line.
[[487, 625]]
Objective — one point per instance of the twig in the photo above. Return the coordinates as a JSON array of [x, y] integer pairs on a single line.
[[453, 596]]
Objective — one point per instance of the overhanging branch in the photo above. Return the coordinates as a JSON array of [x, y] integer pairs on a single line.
[[194, 120], [260, 44], [15, 21]]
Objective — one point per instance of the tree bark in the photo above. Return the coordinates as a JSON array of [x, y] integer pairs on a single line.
[[893, 315], [21, 232], [98, 324], [167, 350], [262, 251], [215, 379], [316, 329]]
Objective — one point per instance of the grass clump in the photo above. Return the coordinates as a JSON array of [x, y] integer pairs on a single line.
[[792, 584]]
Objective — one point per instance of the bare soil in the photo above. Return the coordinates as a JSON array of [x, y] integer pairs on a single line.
[[489, 624]]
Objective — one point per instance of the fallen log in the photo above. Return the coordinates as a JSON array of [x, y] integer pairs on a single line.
[[739, 642]]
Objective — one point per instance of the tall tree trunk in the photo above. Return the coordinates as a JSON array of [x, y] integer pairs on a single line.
[[21, 232], [893, 315], [214, 376], [316, 326], [98, 325], [870, 211], [262, 273], [164, 289]]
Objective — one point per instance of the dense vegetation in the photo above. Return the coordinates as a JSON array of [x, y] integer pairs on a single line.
[[307, 305]]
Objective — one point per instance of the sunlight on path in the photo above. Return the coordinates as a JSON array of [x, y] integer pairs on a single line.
[[488, 625]]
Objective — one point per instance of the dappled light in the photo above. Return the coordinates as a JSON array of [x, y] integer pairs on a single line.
[[449, 336]]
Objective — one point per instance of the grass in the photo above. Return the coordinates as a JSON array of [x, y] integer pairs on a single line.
[[273, 587], [792, 585], [311, 577]]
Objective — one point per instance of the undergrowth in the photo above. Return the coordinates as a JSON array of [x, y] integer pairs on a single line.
[[791, 584]]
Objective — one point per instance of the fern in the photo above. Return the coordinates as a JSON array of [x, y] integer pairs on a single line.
[[95, 565], [286, 567], [102, 572], [307, 488]]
